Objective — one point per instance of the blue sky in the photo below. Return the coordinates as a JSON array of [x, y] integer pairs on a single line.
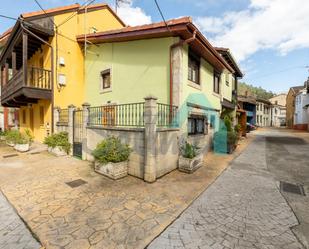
[[269, 39]]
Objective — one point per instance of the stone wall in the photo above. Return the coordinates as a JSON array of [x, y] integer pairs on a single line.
[[134, 137]]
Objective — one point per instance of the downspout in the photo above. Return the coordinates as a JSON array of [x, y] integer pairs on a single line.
[[52, 70], [179, 43]]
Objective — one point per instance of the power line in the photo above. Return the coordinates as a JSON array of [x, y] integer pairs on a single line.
[[8, 17], [37, 2], [162, 15]]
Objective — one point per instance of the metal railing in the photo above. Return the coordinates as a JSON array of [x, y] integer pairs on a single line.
[[117, 115], [167, 115], [63, 116]]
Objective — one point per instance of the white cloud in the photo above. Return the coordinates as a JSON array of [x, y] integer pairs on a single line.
[[277, 24], [132, 15]]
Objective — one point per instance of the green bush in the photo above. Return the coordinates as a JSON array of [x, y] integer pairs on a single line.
[[60, 140], [237, 128], [224, 141], [189, 150], [111, 150], [228, 122], [12, 136], [24, 138]]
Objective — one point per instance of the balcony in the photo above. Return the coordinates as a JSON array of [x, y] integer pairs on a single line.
[[22, 84], [38, 86]]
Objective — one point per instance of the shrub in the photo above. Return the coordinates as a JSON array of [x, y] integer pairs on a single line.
[[237, 128], [228, 122], [223, 141], [12, 136], [24, 138], [111, 150], [189, 150], [60, 140]]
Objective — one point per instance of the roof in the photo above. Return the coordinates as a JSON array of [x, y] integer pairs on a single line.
[[246, 99], [265, 101], [6, 34], [180, 27], [296, 89], [69, 8], [227, 55]]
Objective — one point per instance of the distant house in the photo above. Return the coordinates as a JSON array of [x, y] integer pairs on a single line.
[[290, 105], [278, 110], [263, 112], [247, 102], [301, 110]]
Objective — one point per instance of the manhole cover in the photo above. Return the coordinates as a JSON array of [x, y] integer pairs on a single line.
[[76, 183], [10, 155], [292, 188], [35, 153]]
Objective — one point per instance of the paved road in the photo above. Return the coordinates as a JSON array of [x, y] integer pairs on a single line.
[[13, 232], [244, 207]]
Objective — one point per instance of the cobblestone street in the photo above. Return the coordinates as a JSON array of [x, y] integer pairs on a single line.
[[13, 232], [244, 207], [101, 214]]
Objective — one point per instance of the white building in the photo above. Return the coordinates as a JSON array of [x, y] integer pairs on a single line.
[[278, 110], [301, 110], [263, 112]]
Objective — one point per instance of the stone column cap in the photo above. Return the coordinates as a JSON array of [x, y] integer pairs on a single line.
[[71, 106], [86, 104], [149, 97]]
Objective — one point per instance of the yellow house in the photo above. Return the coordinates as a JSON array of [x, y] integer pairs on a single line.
[[42, 64]]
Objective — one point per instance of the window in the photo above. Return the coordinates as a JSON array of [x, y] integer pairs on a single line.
[[24, 116], [106, 79], [217, 83], [196, 125], [194, 68], [41, 115]]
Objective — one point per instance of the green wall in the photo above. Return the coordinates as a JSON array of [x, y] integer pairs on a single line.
[[138, 68]]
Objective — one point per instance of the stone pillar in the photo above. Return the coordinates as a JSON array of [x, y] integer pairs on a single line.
[[85, 123], [56, 118], [71, 109], [150, 120]]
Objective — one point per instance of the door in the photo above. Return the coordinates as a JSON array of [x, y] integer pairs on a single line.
[[77, 133]]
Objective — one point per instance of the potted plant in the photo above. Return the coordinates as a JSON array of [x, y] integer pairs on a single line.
[[58, 144], [111, 158], [237, 129], [189, 160], [2, 135], [23, 141], [225, 141], [11, 137]]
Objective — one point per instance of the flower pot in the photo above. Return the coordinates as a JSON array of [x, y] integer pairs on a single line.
[[22, 147], [9, 143], [112, 170], [189, 165], [57, 151]]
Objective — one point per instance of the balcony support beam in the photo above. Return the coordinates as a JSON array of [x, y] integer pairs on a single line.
[[6, 73], [25, 57], [14, 63]]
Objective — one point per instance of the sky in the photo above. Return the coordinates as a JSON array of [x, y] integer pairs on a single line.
[[268, 38]]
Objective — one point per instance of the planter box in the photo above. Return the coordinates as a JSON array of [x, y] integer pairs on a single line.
[[22, 147], [10, 143], [112, 170], [188, 165], [57, 151]]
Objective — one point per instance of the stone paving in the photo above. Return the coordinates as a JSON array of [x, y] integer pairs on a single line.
[[102, 213], [243, 208], [13, 232]]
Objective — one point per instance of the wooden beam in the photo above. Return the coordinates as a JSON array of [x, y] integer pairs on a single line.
[[25, 57], [6, 70], [14, 62]]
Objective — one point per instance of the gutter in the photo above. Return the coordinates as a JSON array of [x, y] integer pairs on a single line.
[[52, 69], [179, 43]]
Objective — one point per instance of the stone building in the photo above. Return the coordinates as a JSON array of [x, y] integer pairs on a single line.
[[290, 105], [263, 112], [278, 110]]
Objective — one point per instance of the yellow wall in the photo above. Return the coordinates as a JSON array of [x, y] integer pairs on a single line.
[[40, 131], [73, 54]]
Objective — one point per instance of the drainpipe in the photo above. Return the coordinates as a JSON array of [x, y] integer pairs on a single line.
[[180, 43], [52, 70]]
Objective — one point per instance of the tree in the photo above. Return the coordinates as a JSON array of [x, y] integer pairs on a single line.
[[258, 91]]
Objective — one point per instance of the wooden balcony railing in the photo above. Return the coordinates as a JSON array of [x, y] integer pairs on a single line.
[[37, 78]]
